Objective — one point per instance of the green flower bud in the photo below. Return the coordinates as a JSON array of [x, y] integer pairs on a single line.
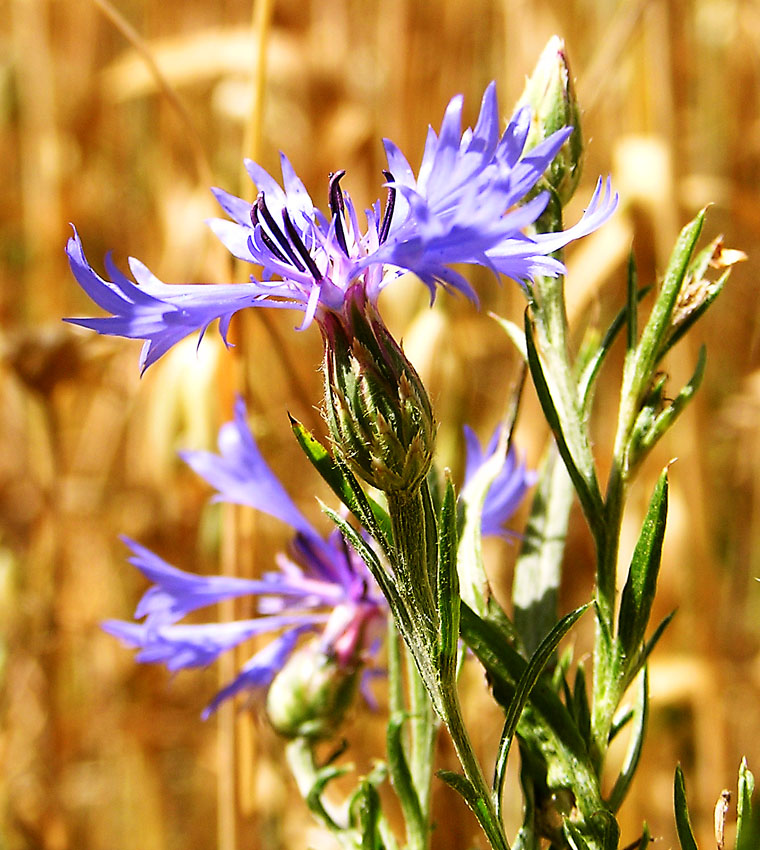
[[550, 92], [309, 697], [379, 413]]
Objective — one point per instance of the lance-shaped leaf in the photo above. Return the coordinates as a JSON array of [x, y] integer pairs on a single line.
[[698, 293], [448, 586], [524, 686], [665, 419], [569, 434], [551, 728], [479, 806], [604, 834], [594, 364], [312, 782], [635, 744], [364, 812], [632, 315], [658, 326], [747, 821], [574, 837], [344, 484], [683, 823], [649, 646], [401, 776], [581, 709], [639, 590]]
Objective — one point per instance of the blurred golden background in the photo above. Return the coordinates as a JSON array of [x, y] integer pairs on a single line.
[[118, 118]]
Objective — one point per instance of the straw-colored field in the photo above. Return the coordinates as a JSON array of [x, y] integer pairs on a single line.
[[118, 118]]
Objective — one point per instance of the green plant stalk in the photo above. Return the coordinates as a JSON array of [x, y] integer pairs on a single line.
[[407, 514], [423, 734], [552, 333], [550, 323], [454, 723], [607, 681], [415, 800]]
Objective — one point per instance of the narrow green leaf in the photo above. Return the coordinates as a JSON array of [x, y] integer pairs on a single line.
[[649, 646], [523, 689], [401, 775], [632, 305], [376, 568], [683, 824], [646, 838], [448, 585], [588, 376], [479, 807], [528, 837], [431, 535], [343, 483], [581, 710], [620, 722], [314, 796], [574, 836], [638, 593], [665, 419], [364, 810], [551, 730], [658, 326], [587, 488], [747, 827], [635, 745], [713, 291]]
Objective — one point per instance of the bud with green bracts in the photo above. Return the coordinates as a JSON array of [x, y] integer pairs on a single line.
[[309, 697], [379, 413], [550, 92]]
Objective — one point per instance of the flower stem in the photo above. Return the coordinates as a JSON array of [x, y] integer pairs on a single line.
[[412, 571]]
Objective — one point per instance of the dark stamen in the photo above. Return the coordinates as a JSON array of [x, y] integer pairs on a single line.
[[338, 208], [295, 238], [265, 237], [277, 233], [390, 204]]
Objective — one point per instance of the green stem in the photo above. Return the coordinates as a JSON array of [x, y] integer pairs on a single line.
[[488, 818], [423, 733], [411, 772], [407, 514], [411, 569]]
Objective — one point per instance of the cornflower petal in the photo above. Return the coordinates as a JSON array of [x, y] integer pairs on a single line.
[[240, 474], [159, 313], [508, 489], [180, 646], [259, 670]]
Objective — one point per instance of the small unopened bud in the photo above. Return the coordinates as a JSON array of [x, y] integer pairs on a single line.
[[309, 697], [379, 413], [550, 92]]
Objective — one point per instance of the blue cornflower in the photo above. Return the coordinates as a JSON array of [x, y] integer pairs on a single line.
[[464, 206], [509, 487], [321, 585]]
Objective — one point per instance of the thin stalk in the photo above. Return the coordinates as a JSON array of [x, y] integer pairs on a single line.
[[407, 773], [471, 767], [423, 732], [606, 685], [407, 514]]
